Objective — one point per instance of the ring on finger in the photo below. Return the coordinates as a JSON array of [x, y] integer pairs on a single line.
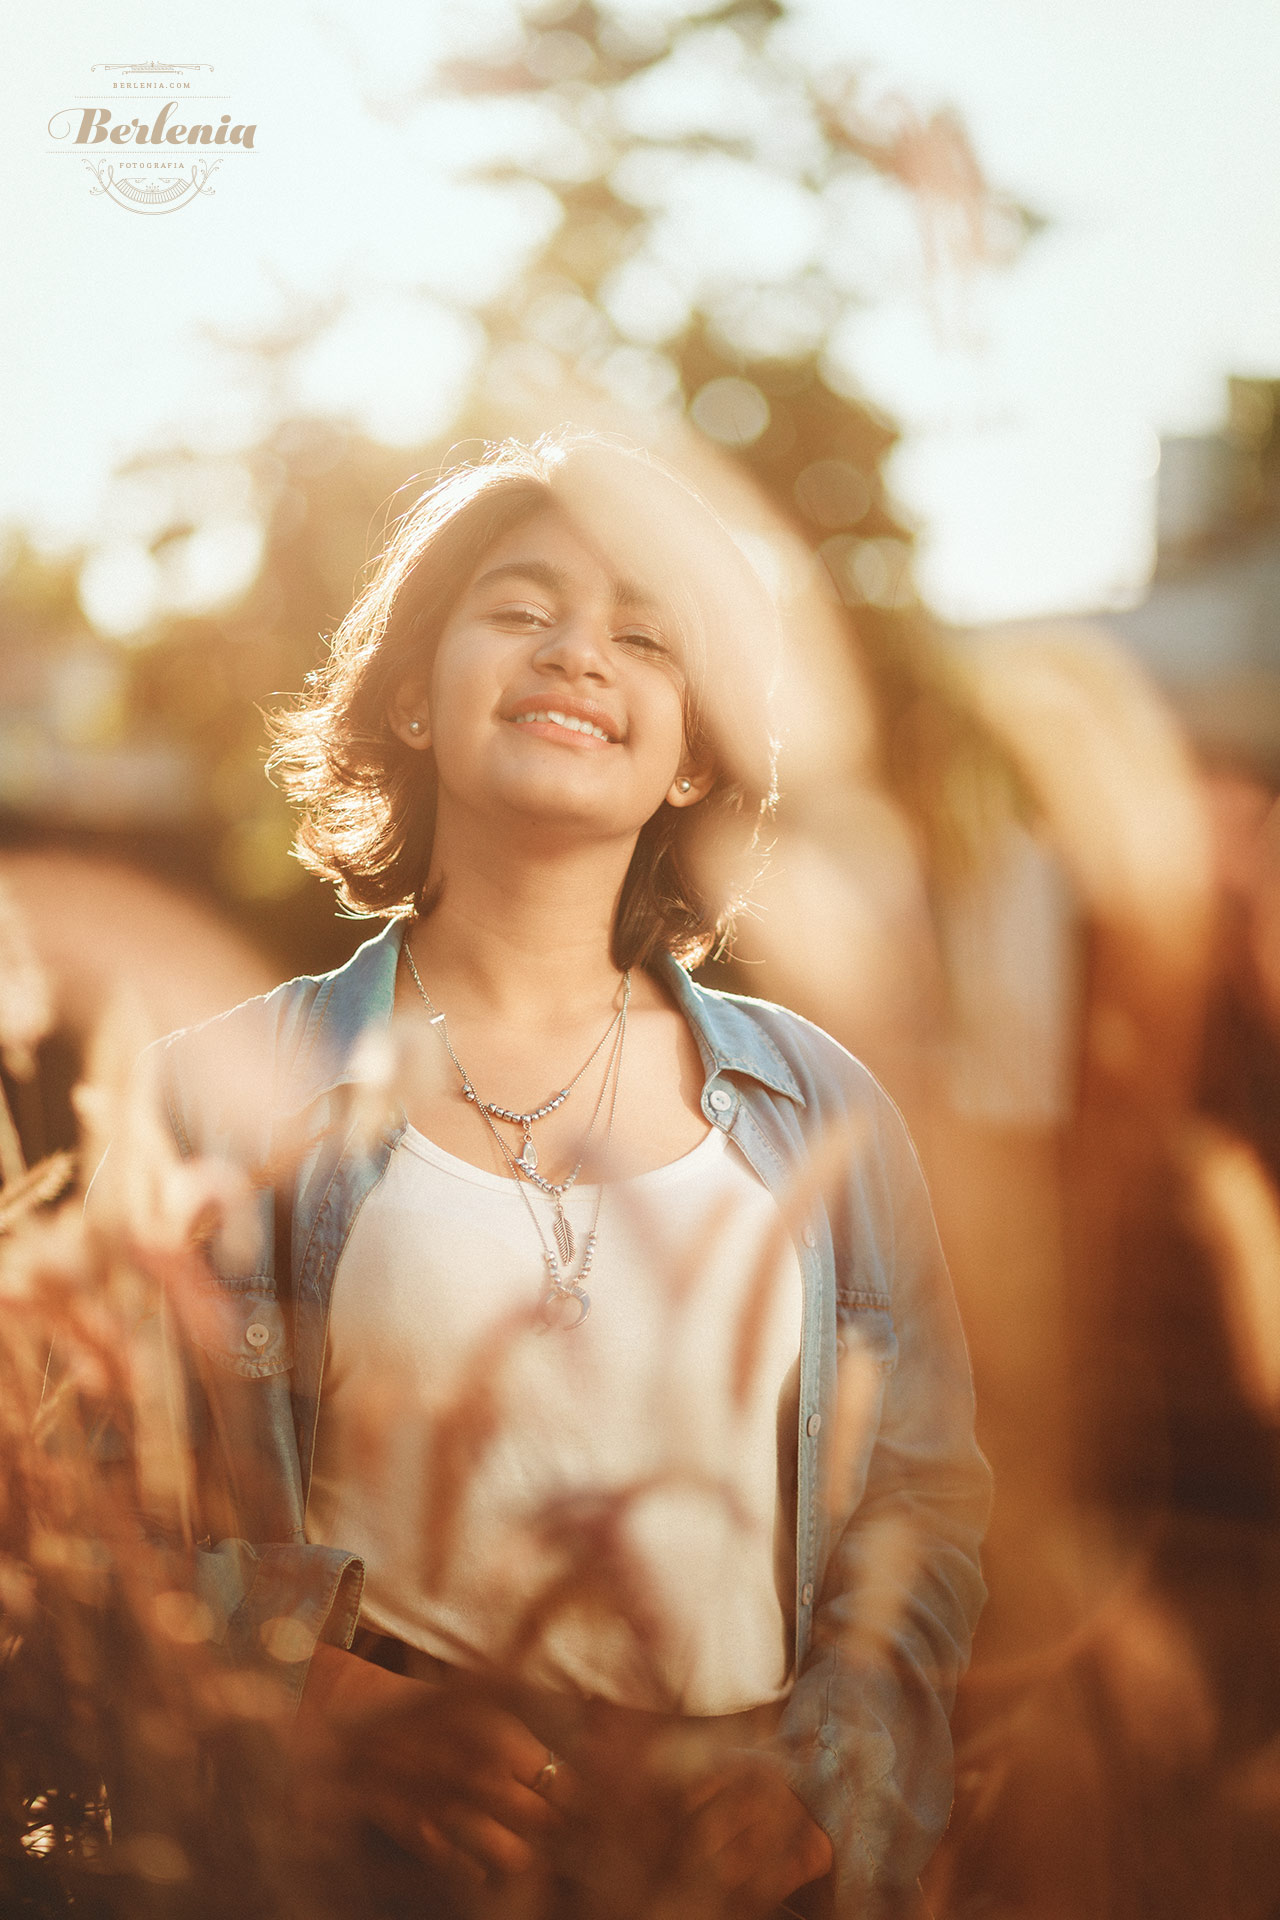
[[546, 1773]]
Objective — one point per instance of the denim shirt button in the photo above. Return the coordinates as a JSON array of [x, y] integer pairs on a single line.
[[256, 1335], [812, 1424], [806, 1594], [721, 1101]]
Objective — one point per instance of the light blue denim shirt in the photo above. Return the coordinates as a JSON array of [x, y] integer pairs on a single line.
[[887, 1582]]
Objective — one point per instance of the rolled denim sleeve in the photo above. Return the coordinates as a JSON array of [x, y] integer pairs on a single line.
[[865, 1738], [272, 1605]]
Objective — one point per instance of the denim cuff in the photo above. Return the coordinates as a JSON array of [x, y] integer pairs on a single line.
[[272, 1604]]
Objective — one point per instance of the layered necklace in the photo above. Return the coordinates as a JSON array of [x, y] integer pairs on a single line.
[[566, 1294]]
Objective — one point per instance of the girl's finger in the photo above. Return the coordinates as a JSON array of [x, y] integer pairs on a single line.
[[512, 1803], [699, 1791], [486, 1840], [715, 1826], [427, 1841], [560, 1786], [765, 1861], [495, 1739], [453, 1861]]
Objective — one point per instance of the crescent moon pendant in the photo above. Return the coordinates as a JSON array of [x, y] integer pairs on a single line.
[[555, 1299]]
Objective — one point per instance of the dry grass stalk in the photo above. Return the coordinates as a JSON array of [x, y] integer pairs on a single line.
[[1235, 1209]]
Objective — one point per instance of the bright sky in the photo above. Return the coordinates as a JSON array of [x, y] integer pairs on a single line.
[[1146, 133]]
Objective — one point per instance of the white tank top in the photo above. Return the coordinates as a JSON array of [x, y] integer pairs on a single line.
[[598, 1511]]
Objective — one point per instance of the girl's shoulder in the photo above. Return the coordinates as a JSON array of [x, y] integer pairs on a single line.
[[790, 1053], [844, 1113], [277, 1051]]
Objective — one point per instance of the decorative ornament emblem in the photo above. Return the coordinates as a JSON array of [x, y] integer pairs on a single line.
[[165, 194]]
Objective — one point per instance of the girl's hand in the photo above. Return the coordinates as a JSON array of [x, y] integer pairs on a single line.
[[445, 1773], [748, 1839]]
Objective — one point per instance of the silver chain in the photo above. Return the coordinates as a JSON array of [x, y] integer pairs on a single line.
[[561, 1290], [525, 1121]]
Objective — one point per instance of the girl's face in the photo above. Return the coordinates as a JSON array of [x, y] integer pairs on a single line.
[[554, 695]]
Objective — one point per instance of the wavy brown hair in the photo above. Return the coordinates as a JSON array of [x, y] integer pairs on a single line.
[[368, 801]]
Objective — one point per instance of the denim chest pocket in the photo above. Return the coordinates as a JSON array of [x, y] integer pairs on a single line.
[[864, 1327], [866, 1356], [244, 1330]]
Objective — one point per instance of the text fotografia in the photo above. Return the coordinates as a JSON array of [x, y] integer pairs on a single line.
[[96, 128], [179, 166]]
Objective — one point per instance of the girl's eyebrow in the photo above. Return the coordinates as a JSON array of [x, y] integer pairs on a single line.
[[556, 580]]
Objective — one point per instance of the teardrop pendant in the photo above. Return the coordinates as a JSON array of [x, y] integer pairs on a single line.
[[563, 1233], [528, 1155]]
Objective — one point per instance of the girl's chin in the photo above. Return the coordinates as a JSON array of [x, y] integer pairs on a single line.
[[575, 823], [550, 805]]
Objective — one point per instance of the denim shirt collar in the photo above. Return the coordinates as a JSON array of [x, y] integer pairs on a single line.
[[357, 1001]]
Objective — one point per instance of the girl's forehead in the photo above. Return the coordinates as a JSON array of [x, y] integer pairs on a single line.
[[553, 551]]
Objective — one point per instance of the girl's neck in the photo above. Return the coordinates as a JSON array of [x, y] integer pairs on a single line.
[[522, 934]]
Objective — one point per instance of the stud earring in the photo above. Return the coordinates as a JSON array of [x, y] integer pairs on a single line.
[[685, 786], [415, 726]]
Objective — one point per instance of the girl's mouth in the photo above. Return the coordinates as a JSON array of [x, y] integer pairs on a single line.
[[567, 729]]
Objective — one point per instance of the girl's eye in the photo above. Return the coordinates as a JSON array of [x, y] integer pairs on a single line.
[[534, 617], [647, 642], [521, 616]]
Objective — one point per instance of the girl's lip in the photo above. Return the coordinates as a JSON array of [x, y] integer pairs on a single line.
[[562, 736], [571, 707]]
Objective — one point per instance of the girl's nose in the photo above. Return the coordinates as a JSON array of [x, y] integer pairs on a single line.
[[579, 647]]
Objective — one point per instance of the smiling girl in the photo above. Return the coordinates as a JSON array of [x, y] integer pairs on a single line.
[[591, 1435]]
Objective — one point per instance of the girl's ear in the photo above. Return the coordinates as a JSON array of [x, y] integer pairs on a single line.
[[691, 784], [407, 715]]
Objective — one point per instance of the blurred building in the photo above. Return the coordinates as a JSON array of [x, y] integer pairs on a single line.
[[1207, 636], [147, 752], [1207, 631], [1209, 628]]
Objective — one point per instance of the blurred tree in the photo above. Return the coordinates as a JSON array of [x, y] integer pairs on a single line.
[[39, 592], [718, 204], [719, 198], [191, 684], [319, 492]]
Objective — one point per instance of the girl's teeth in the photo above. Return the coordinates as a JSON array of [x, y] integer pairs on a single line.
[[565, 720]]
